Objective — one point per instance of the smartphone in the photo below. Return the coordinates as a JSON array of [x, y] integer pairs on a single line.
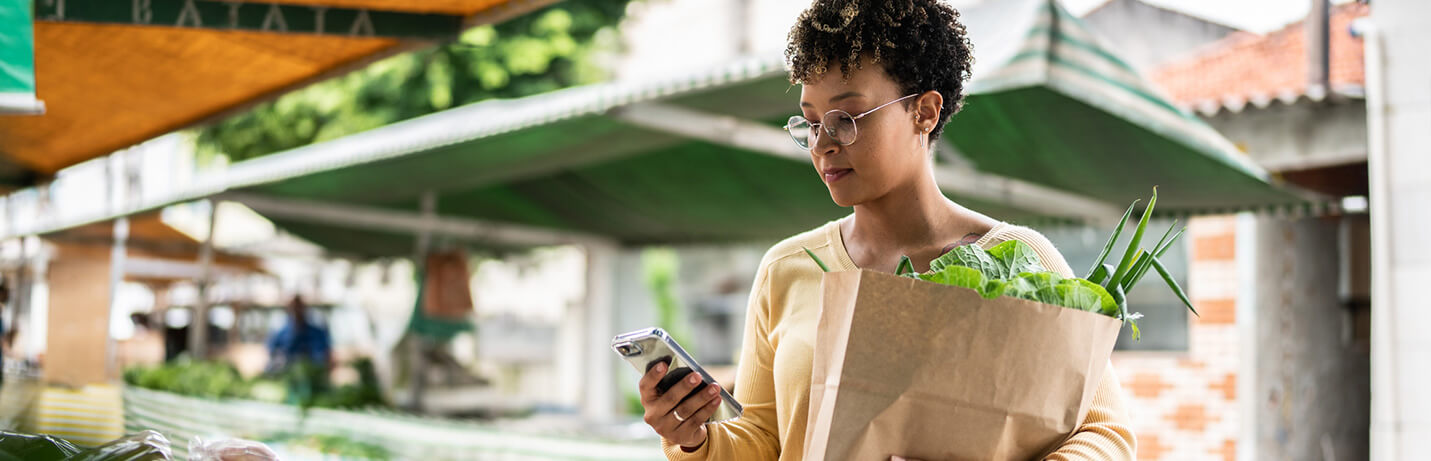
[[645, 348]]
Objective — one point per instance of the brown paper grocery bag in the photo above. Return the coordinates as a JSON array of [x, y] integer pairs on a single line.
[[933, 372]]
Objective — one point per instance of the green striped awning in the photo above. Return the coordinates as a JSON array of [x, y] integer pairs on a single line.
[[1051, 111], [17, 59], [1051, 104]]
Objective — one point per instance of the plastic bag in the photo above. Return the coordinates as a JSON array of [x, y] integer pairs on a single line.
[[15, 446], [143, 446], [229, 450]]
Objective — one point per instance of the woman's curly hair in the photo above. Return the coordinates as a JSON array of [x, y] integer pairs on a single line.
[[921, 44]]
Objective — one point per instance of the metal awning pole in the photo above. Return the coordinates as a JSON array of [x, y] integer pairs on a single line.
[[417, 348], [199, 323]]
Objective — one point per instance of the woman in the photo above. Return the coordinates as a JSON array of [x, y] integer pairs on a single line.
[[879, 79]]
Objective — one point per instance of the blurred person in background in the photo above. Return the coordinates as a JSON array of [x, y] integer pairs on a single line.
[[300, 354], [299, 341]]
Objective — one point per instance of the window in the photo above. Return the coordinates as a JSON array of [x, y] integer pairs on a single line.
[[1165, 319]]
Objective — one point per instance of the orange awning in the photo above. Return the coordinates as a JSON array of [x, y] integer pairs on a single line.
[[107, 86]]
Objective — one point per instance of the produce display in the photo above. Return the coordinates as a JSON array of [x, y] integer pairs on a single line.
[[301, 384], [333, 445], [144, 446]]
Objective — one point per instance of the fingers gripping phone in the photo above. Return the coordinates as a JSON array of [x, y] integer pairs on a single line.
[[645, 348]]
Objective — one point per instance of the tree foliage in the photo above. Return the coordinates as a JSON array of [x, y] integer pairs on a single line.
[[552, 48]]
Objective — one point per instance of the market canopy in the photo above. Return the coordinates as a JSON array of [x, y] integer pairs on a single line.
[[1056, 128], [17, 60], [115, 73]]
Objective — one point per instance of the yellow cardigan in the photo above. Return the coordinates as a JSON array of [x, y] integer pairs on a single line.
[[773, 379]]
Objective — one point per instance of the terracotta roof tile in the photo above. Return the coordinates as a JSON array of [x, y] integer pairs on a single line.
[[1246, 67]]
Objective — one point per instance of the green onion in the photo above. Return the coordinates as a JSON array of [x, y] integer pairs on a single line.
[[1127, 263], [1108, 247], [1173, 285], [823, 267]]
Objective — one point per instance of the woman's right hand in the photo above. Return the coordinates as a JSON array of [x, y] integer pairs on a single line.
[[681, 423]]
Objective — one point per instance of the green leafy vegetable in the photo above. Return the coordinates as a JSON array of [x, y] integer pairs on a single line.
[[1012, 268], [1015, 257], [1073, 293], [1001, 262], [968, 256], [966, 277]]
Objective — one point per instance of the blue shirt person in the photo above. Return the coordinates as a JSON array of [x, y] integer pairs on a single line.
[[298, 340]]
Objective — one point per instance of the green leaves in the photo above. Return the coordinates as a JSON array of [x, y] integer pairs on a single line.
[[1012, 269], [552, 48], [1157, 253], [1073, 293], [1106, 304], [967, 256], [967, 277], [1015, 258], [1108, 247], [1173, 285], [1001, 262], [1129, 255], [1119, 280]]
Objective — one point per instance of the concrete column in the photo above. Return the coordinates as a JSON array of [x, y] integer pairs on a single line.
[[78, 311], [1309, 382], [116, 278], [600, 397], [1398, 80]]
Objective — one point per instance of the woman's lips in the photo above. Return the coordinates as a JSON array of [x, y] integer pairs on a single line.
[[834, 174]]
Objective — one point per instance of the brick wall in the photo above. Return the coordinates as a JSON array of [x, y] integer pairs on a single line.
[[1184, 405]]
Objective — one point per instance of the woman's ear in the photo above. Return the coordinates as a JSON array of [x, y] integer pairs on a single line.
[[926, 110]]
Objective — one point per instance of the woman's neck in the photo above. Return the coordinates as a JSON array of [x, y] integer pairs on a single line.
[[905, 217]]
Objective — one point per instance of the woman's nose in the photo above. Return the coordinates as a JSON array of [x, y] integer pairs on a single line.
[[824, 145]]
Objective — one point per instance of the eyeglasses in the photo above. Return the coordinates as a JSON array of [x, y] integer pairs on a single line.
[[840, 125]]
